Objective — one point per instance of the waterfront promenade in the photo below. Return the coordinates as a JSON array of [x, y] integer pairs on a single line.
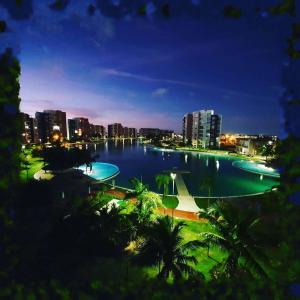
[[186, 201]]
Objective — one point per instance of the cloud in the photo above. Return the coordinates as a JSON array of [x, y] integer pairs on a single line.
[[230, 92], [160, 92], [118, 73]]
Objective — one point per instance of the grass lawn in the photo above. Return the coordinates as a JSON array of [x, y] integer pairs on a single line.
[[170, 202], [35, 164], [191, 232]]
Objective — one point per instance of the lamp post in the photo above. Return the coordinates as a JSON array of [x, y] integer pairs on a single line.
[[173, 176]]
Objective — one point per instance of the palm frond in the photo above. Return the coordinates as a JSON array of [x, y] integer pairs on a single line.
[[253, 265], [212, 239]]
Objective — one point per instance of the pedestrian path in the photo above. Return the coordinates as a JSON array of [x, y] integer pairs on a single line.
[[186, 201]]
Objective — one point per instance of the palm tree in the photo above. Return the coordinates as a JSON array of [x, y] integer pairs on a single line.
[[163, 180], [267, 150], [146, 201], [163, 247], [234, 233]]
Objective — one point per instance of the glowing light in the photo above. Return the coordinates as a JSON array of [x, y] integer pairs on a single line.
[[186, 158], [173, 176], [55, 137], [217, 164]]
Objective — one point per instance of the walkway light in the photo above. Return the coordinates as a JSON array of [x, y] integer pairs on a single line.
[[173, 176]]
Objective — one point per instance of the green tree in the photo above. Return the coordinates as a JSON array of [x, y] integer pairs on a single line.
[[163, 181], [163, 247], [267, 150], [234, 232], [146, 201]]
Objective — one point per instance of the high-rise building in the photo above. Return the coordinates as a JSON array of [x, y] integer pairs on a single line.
[[51, 124], [72, 130], [80, 128], [115, 130], [125, 132], [99, 131], [43, 125], [154, 132], [57, 122], [83, 127], [206, 128], [28, 129], [187, 128], [132, 132]]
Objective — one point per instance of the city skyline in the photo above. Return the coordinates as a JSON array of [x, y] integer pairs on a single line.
[[149, 71]]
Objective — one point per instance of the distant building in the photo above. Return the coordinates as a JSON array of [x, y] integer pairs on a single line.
[[82, 129], [51, 124], [99, 131], [205, 130], [115, 130], [132, 132], [155, 132], [252, 144], [82, 126], [43, 125], [147, 132], [72, 129], [57, 122], [187, 128], [125, 132], [28, 129]]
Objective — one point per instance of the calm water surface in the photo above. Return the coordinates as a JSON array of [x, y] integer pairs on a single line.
[[144, 162]]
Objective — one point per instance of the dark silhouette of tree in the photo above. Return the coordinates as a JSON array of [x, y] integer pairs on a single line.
[[163, 247], [234, 234]]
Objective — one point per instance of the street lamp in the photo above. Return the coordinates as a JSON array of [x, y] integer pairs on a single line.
[[173, 176]]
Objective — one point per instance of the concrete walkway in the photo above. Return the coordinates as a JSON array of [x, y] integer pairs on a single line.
[[186, 201], [42, 175]]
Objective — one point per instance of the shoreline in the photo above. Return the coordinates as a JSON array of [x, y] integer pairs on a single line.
[[211, 152]]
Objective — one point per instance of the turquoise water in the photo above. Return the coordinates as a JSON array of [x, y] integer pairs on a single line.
[[101, 171], [255, 167], [144, 162]]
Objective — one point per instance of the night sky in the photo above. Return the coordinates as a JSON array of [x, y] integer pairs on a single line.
[[148, 71]]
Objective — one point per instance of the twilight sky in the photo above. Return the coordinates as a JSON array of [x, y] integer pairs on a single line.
[[149, 71]]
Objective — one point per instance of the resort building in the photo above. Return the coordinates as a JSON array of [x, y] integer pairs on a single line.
[[29, 129], [72, 130], [57, 122], [82, 128], [155, 132], [187, 128], [252, 145], [205, 130], [132, 132], [51, 124], [98, 131], [43, 126], [115, 130]]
